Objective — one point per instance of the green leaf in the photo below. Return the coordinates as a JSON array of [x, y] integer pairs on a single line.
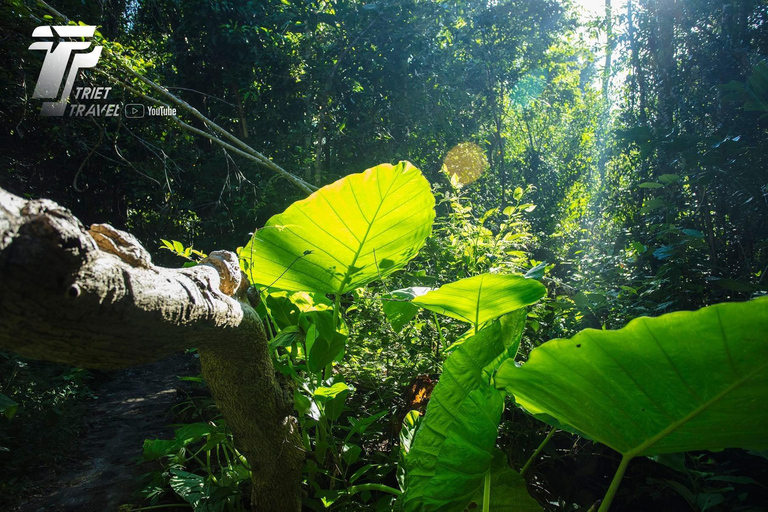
[[350, 453], [446, 466], [8, 407], [329, 393], [482, 298], [650, 184], [653, 204], [287, 337], [189, 433], [669, 178], [537, 272], [398, 307], [281, 309], [360, 426], [683, 381], [410, 426], [694, 233], [512, 327], [333, 399], [157, 448], [323, 348], [452, 449], [411, 423], [346, 234], [193, 489], [737, 286]]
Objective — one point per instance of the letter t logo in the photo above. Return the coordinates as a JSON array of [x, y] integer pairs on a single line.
[[56, 61]]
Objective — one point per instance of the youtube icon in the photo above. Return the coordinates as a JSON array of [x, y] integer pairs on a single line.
[[134, 110]]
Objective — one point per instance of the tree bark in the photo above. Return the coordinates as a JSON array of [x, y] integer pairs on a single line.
[[93, 298]]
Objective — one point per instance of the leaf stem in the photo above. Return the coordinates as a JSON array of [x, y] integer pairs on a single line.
[[336, 310], [328, 370], [537, 452], [487, 492], [606, 504], [440, 339]]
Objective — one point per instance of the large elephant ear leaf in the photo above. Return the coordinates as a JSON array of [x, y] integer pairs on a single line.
[[683, 381], [482, 298], [452, 450], [345, 235]]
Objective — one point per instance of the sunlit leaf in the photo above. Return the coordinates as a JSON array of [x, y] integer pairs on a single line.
[[683, 381], [331, 392], [453, 447], [509, 492], [332, 399], [347, 234], [482, 298], [193, 489]]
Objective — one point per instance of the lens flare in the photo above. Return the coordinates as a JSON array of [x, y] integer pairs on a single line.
[[465, 163]]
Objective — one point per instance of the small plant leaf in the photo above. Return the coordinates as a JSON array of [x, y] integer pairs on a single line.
[[482, 298], [398, 307]]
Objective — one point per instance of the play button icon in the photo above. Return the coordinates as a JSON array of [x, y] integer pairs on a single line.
[[134, 110]]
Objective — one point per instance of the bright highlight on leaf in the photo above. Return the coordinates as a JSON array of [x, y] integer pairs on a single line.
[[482, 298], [345, 235], [680, 382]]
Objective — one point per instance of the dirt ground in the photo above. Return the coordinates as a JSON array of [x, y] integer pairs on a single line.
[[131, 405]]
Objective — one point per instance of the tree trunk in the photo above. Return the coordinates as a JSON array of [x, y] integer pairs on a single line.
[[94, 299], [605, 114], [638, 77]]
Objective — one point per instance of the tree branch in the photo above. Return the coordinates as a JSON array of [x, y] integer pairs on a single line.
[[244, 149], [93, 298]]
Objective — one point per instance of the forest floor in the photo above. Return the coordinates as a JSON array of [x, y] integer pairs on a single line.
[[102, 472]]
